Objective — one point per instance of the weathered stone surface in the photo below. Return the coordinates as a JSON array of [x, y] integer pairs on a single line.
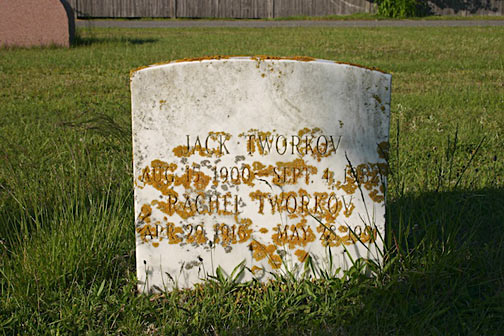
[[28, 23], [270, 162]]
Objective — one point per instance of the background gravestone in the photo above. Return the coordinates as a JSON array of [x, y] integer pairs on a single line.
[[28, 23], [266, 162]]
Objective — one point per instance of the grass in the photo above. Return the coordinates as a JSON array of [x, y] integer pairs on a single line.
[[66, 218]]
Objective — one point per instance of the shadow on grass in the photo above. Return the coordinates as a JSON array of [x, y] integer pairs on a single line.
[[86, 41], [447, 272], [458, 217]]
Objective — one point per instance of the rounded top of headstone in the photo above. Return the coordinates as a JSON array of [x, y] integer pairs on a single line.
[[256, 58]]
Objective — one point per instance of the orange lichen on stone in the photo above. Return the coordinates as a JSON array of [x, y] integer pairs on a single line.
[[301, 254], [257, 136], [350, 184], [306, 130], [132, 71], [367, 175], [197, 179], [283, 173], [250, 180], [292, 58], [318, 150], [186, 211], [160, 176], [260, 251], [146, 230], [196, 236], [145, 213], [258, 196], [255, 269], [204, 58], [300, 234], [329, 236], [306, 142], [368, 235], [328, 176], [184, 208], [294, 167], [333, 209], [227, 235], [250, 144], [172, 231], [376, 197], [234, 234], [297, 203], [181, 151], [244, 229], [348, 209]]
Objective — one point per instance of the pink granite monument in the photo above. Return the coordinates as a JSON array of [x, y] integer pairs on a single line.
[[27, 23]]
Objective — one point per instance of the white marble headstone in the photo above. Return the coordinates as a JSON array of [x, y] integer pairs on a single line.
[[273, 162]]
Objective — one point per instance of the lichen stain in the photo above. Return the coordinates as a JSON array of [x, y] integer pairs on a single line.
[[196, 237], [365, 175], [204, 58], [250, 180], [172, 231], [265, 141], [255, 269], [348, 210], [162, 103], [197, 179], [183, 152], [164, 180], [278, 58], [300, 234], [301, 254], [146, 230], [330, 238], [145, 213], [260, 251], [285, 173], [157, 175], [349, 186]]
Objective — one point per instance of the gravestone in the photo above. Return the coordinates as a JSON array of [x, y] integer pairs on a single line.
[[28, 23], [274, 164]]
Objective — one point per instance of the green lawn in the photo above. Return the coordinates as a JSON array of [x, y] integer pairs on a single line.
[[66, 206]]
